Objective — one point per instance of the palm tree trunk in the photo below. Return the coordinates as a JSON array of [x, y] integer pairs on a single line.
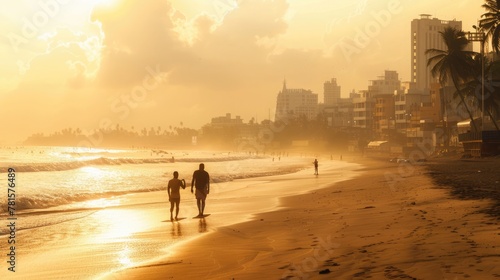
[[465, 104], [493, 119]]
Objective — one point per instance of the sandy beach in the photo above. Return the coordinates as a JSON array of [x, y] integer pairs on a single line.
[[359, 219], [392, 221]]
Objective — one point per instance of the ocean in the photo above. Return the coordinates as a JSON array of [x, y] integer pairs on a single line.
[[70, 178], [82, 213]]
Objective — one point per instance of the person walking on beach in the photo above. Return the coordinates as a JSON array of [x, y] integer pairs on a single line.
[[201, 180], [174, 195], [315, 166]]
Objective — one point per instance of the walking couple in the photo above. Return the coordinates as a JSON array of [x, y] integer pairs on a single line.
[[201, 182]]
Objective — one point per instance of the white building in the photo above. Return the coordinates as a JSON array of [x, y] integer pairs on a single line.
[[296, 103], [425, 35]]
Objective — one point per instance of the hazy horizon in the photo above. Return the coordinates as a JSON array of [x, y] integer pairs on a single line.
[[160, 63]]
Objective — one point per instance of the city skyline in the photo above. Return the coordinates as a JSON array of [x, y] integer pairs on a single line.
[[79, 65]]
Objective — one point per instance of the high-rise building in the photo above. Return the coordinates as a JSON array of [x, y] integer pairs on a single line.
[[331, 92], [425, 35], [296, 103]]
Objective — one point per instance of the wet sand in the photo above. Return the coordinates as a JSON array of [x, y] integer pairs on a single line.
[[394, 221]]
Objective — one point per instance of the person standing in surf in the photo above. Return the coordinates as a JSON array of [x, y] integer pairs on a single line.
[[201, 181], [315, 166], [174, 195]]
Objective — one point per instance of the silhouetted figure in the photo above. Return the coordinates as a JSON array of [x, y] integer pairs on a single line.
[[201, 180], [315, 166], [174, 195]]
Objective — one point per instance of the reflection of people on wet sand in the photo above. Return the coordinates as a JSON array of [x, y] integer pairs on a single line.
[[174, 195], [176, 230], [315, 166], [202, 225], [201, 180]]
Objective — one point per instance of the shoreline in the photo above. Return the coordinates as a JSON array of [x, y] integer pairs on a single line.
[[366, 227], [256, 188], [134, 229]]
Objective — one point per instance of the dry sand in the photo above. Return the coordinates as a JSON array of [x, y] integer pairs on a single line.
[[392, 222]]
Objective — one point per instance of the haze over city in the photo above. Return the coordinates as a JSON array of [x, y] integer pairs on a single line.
[[161, 63], [249, 139]]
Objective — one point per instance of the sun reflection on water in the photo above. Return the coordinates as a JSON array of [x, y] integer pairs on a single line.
[[101, 203], [124, 257], [118, 224], [93, 171]]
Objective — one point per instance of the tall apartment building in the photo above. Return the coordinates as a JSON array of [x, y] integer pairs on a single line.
[[331, 92], [425, 35], [296, 103]]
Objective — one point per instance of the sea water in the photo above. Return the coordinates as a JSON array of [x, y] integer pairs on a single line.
[[69, 178], [81, 213]]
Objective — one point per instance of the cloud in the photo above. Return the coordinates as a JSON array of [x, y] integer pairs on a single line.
[[137, 35], [49, 93], [229, 56], [224, 64]]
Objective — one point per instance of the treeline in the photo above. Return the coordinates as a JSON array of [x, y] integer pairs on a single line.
[[262, 136], [116, 137]]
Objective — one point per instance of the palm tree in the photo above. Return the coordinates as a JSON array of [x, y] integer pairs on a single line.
[[490, 22], [492, 85], [454, 63]]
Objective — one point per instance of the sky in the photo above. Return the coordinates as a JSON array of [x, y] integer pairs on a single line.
[[92, 64]]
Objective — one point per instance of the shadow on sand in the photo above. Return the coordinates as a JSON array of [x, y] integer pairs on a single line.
[[469, 179]]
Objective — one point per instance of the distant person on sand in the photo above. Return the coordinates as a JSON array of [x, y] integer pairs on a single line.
[[174, 195], [315, 166], [201, 180]]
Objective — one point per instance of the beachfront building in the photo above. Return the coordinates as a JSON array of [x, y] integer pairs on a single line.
[[425, 35], [383, 114], [363, 105], [292, 103], [226, 121], [406, 101], [382, 91], [340, 114]]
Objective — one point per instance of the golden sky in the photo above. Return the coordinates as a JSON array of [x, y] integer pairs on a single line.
[[69, 63]]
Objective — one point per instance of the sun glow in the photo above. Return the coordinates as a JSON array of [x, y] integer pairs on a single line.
[[93, 172], [117, 224], [105, 3]]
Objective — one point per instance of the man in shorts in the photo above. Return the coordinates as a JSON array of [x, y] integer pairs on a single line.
[[174, 195], [201, 180]]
